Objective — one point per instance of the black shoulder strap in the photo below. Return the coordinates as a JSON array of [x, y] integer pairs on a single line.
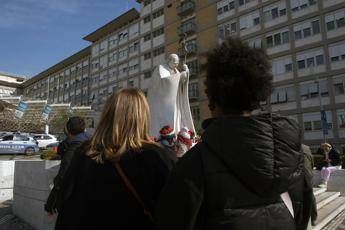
[[132, 190]]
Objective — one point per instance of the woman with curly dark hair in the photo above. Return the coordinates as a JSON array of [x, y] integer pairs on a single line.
[[247, 171]]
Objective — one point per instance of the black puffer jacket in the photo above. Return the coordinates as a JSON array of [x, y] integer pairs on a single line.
[[234, 178], [67, 149]]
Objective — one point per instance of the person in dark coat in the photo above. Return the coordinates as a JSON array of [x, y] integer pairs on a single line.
[[310, 207], [101, 197], [76, 135], [247, 172]]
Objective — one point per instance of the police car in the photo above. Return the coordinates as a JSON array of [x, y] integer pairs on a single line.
[[18, 144]]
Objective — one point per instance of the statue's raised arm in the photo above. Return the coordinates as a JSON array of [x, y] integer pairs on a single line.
[[168, 97]]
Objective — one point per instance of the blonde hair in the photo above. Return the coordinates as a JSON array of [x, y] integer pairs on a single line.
[[124, 126]]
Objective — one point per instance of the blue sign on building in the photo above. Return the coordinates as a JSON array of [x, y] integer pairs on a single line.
[[46, 111], [22, 106]]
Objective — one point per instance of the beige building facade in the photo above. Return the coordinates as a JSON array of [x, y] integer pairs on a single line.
[[305, 40], [9, 84], [64, 83]]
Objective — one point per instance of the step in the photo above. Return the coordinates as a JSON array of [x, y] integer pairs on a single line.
[[318, 191], [329, 211], [336, 222], [325, 198]]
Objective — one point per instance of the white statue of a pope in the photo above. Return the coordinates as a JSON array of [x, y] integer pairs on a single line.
[[168, 97]]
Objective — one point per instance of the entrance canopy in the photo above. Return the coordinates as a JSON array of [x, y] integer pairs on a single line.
[[32, 120]]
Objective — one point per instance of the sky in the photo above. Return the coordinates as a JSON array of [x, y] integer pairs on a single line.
[[36, 34]]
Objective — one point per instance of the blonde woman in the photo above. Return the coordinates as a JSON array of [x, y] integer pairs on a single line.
[[119, 173]]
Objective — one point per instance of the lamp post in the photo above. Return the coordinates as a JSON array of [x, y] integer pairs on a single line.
[[323, 117]]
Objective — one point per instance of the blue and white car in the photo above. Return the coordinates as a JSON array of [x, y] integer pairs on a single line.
[[18, 144]]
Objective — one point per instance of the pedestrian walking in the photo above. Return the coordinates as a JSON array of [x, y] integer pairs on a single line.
[[310, 208], [120, 170], [247, 170]]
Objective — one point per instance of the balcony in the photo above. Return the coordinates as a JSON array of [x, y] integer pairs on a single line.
[[192, 49], [186, 7], [187, 28]]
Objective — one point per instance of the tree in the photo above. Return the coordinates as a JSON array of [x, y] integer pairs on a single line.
[[58, 121]]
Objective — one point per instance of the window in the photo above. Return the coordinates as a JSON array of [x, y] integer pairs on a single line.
[[330, 25], [146, 2], [158, 13], [274, 13], [317, 125], [227, 29], [337, 53], [319, 59], [307, 32], [283, 95], [147, 37], [147, 74], [188, 26], [298, 34], [269, 41], [193, 67], [341, 22], [243, 2], [195, 110], [233, 27], [123, 36], [338, 84], [249, 20], [158, 51], [311, 89], [232, 5], [147, 55], [256, 21], [277, 39], [307, 29], [307, 126], [288, 67], [285, 36], [310, 62], [193, 90], [316, 27], [341, 118], [301, 64], [147, 19], [134, 47], [297, 5], [112, 57], [123, 53], [335, 59], [130, 83], [158, 32], [335, 20], [310, 59]]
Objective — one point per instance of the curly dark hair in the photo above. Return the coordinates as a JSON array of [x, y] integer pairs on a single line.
[[238, 77]]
